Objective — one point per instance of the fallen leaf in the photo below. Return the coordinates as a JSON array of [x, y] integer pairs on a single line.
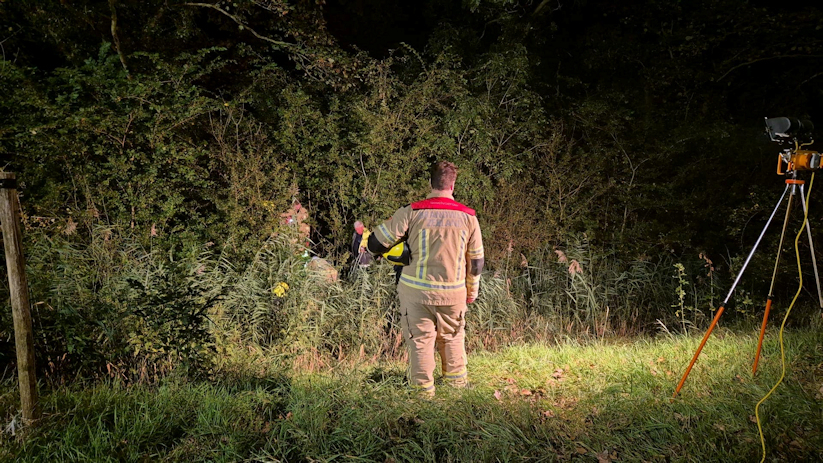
[[525, 392], [558, 373], [603, 457], [753, 418], [497, 394], [71, 227], [581, 450], [548, 414]]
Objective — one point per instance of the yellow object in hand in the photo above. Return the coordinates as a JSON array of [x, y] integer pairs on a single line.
[[280, 289], [399, 254], [365, 239]]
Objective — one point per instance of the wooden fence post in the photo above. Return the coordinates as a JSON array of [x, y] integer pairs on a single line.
[[19, 292]]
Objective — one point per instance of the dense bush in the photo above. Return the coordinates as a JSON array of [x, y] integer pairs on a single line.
[[154, 164], [110, 305]]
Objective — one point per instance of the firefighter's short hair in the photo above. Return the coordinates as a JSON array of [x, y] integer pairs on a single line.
[[443, 175]]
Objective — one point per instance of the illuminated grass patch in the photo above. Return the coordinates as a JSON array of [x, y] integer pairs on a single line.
[[604, 401]]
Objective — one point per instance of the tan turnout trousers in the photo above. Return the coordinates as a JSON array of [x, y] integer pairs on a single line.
[[427, 328]]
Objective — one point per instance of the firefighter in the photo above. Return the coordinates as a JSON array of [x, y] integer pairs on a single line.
[[443, 277]]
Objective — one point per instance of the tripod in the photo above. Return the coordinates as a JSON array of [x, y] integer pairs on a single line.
[[794, 185]]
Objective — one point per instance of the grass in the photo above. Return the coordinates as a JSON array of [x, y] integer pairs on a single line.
[[599, 401]]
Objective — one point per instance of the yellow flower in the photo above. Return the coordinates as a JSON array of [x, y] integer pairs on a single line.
[[280, 289]]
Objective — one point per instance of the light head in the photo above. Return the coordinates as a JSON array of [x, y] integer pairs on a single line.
[[783, 129], [795, 133]]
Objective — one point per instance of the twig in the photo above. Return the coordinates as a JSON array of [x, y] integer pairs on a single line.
[[809, 79], [126, 132], [544, 3], [116, 39], [765, 59], [235, 19]]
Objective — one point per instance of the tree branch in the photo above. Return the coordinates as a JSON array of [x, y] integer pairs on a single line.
[[116, 39], [765, 59], [544, 3], [238, 21], [810, 78]]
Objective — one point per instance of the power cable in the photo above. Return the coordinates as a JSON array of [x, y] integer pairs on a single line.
[[783, 325]]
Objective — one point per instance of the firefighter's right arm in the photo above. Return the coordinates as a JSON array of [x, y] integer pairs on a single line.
[[388, 233]]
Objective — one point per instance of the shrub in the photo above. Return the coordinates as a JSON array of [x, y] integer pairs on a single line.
[[109, 305]]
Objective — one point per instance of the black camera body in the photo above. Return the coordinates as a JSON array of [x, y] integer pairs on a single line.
[[782, 129], [796, 133]]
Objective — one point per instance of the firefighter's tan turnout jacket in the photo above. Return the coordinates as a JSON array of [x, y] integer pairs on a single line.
[[446, 249]]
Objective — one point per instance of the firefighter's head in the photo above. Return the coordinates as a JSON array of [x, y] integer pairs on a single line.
[[443, 175], [358, 227]]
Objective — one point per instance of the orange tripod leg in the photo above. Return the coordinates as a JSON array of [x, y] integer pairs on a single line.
[[699, 349], [734, 285], [762, 332], [774, 274]]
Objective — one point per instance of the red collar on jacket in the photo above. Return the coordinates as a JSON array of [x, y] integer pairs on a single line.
[[439, 202]]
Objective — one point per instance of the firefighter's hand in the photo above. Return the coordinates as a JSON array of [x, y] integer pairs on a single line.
[[469, 300]]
